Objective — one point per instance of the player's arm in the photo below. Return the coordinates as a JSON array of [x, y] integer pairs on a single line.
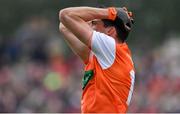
[[74, 43], [75, 19]]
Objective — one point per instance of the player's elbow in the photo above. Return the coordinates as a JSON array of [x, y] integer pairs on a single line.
[[62, 28], [65, 13], [62, 14]]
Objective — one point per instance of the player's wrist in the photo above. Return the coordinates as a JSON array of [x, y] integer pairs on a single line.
[[112, 13]]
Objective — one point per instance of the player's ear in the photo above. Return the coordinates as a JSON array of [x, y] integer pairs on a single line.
[[111, 31]]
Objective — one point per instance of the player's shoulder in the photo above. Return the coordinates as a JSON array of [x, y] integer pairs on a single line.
[[101, 35], [122, 46], [122, 50]]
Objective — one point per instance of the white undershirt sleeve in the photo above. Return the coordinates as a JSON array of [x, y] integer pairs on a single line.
[[103, 47]]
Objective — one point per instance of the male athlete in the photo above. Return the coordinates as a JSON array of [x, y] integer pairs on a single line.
[[109, 72]]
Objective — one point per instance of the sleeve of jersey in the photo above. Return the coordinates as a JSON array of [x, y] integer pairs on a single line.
[[104, 48]]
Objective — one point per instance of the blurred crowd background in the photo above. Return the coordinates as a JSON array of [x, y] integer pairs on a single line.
[[39, 73]]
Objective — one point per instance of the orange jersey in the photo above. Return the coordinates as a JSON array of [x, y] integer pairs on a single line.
[[109, 79]]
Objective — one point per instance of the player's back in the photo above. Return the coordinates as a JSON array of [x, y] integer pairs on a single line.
[[108, 87]]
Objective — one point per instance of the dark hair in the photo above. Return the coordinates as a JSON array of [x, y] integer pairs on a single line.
[[122, 23], [122, 33]]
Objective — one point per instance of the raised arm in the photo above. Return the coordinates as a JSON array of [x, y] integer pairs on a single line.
[[75, 19], [74, 43]]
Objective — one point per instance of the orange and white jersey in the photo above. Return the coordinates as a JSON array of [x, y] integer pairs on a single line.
[[109, 76]]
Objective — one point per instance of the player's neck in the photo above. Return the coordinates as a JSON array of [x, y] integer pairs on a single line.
[[118, 40]]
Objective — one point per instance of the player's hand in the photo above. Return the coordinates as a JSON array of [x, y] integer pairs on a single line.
[[124, 16], [121, 15]]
